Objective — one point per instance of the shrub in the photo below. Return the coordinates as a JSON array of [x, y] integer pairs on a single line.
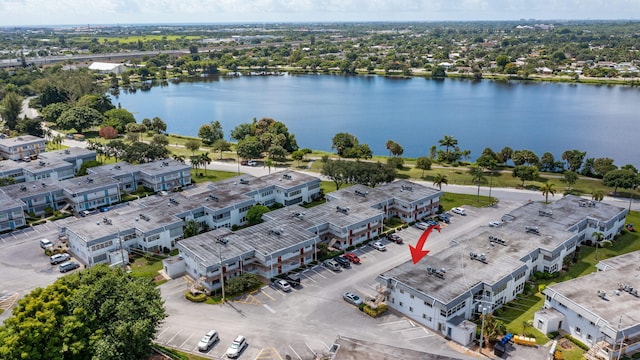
[[553, 334], [578, 343], [382, 308], [108, 132], [195, 298]]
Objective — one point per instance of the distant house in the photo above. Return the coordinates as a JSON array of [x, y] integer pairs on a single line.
[[107, 68]]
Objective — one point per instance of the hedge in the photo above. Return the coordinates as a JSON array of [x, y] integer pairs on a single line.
[[578, 343], [195, 298], [382, 308]]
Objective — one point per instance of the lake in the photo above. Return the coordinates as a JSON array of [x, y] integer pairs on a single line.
[[602, 120]]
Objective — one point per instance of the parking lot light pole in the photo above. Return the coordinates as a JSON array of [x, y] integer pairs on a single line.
[[484, 312], [221, 270]]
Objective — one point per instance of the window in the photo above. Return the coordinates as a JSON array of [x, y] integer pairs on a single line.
[[401, 303], [589, 337], [577, 330], [424, 316], [401, 291], [411, 296], [428, 304]]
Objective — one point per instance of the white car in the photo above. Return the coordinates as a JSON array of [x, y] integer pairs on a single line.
[[207, 340], [379, 246], [283, 285], [459, 211], [59, 258], [236, 347], [352, 298], [421, 225], [495, 223]]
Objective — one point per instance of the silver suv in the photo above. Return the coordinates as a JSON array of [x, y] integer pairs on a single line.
[[236, 347], [332, 265], [59, 258]]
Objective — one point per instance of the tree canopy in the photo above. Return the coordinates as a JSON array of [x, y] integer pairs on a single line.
[[97, 313], [210, 133], [80, 118]]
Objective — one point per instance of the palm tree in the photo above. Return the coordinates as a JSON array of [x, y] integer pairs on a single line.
[[195, 161], [448, 141], [477, 177], [597, 237], [597, 195], [548, 188], [57, 140], [440, 179], [204, 161]]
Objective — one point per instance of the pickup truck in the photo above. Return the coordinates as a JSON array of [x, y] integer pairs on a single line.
[[294, 279]]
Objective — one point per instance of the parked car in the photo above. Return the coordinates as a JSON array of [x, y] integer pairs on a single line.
[[332, 265], [294, 279], [68, 266], [282, 285], [207, 340], [237, 346], [342, 261], [84, 213], [459, 211], [432, 222], [59, 258], [379, 246], [104, 209], [495, 223], [352, 257], [352, 298], [46, 244], [421, 225], [394, 238], [444, 218]]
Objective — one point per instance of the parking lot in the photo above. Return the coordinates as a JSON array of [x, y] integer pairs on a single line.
[[305, 322]]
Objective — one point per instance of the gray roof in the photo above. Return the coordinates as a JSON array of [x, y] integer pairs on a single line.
[[31, 189], [584, 291], [114, 170], [9, 202], [163, 166], [86, 183], [68, 154], [462, 273], [20, 140]]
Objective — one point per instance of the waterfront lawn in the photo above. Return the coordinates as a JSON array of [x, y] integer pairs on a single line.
[[451, 200], [200, 175]]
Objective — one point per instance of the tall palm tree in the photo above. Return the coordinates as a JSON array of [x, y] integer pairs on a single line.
[[440, 179], [179, 157], [477, 177], [597, 237], [548, 188], [195, 161], [204, 161], [448, 141]]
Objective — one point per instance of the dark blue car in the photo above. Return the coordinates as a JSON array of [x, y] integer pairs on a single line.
[[104, 209]]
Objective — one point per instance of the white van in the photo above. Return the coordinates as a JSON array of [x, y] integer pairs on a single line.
[[46, 244]]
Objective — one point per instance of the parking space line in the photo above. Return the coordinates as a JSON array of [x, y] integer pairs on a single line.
[[162, 332], [403, 330], [173, 337], [269, 308], [185, 341], [393, 322], [317, 273], [267, 295], [310, 349], [308, 277], [295, 352]]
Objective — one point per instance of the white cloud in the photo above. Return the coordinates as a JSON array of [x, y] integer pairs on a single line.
[[17, 12]]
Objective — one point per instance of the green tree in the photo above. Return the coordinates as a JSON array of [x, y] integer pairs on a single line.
[[221, 145], [477, 177], [193, 145], [337, 171], [574, 159], [448, 141], [342, 142], [297, 156], [505, 154], [525, 173], [502, 60], [80, 118], [522, 157], [546, 189], [241, 131], [626, 179], [440, 179], [597, 238], [120, 118], [158, 125], [204, 161], [10, 108], [423, 163], [101, 103], [439, 72], [97, 313], [52, 112], [547, 162], [191, 228], [597, 195], [601, 166], [254, 215], [210, 133], [30, 126], [570, 178], [250, 147]]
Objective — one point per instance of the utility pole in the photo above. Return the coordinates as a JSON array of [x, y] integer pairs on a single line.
[[221, 269], [484, 312], [124, 264]]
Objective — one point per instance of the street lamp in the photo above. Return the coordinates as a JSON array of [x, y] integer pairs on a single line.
[[484, 312]]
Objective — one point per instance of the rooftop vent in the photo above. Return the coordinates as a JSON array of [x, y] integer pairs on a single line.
[[89, 180], [222, 241], [532, 230], [478, 257], [497, 240], [407, 188], [587, 203], [117, 167], [361, 193], [276, 232], [435, 272], [42, 163], [286, 176], [344, 210], [298, 215], [624, 287], [66, 151], [548, 213], [165, 163], [173, 201], [144, 217], [212, 197], [602, 294], [244, 182], [23, 188], [106, 220]]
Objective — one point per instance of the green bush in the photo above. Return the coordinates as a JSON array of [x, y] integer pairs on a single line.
[[578, 343], [382, 308], [553, 334], [195, 298], [636, 355]]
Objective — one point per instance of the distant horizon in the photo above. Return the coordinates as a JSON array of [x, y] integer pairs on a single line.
[[309, 22], [26, 13]]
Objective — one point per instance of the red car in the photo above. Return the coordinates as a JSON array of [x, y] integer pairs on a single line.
[[352, 257]]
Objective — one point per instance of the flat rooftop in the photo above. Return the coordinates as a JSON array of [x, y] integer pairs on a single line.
[[462, 272], [86, 183], [33, 188], [584, 291], [20, 140], [356, 349]]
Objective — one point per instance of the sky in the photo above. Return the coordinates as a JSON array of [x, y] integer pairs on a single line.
[[83, 12]]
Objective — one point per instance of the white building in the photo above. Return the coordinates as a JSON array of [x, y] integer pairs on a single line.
[[22, 147], [489, 266], [107, 68]]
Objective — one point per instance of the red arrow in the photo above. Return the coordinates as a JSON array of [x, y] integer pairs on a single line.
[[416, 252]]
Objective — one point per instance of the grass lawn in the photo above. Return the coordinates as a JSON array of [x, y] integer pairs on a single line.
[[451, 200], [200, 175], [142, 267], [177, 354]]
